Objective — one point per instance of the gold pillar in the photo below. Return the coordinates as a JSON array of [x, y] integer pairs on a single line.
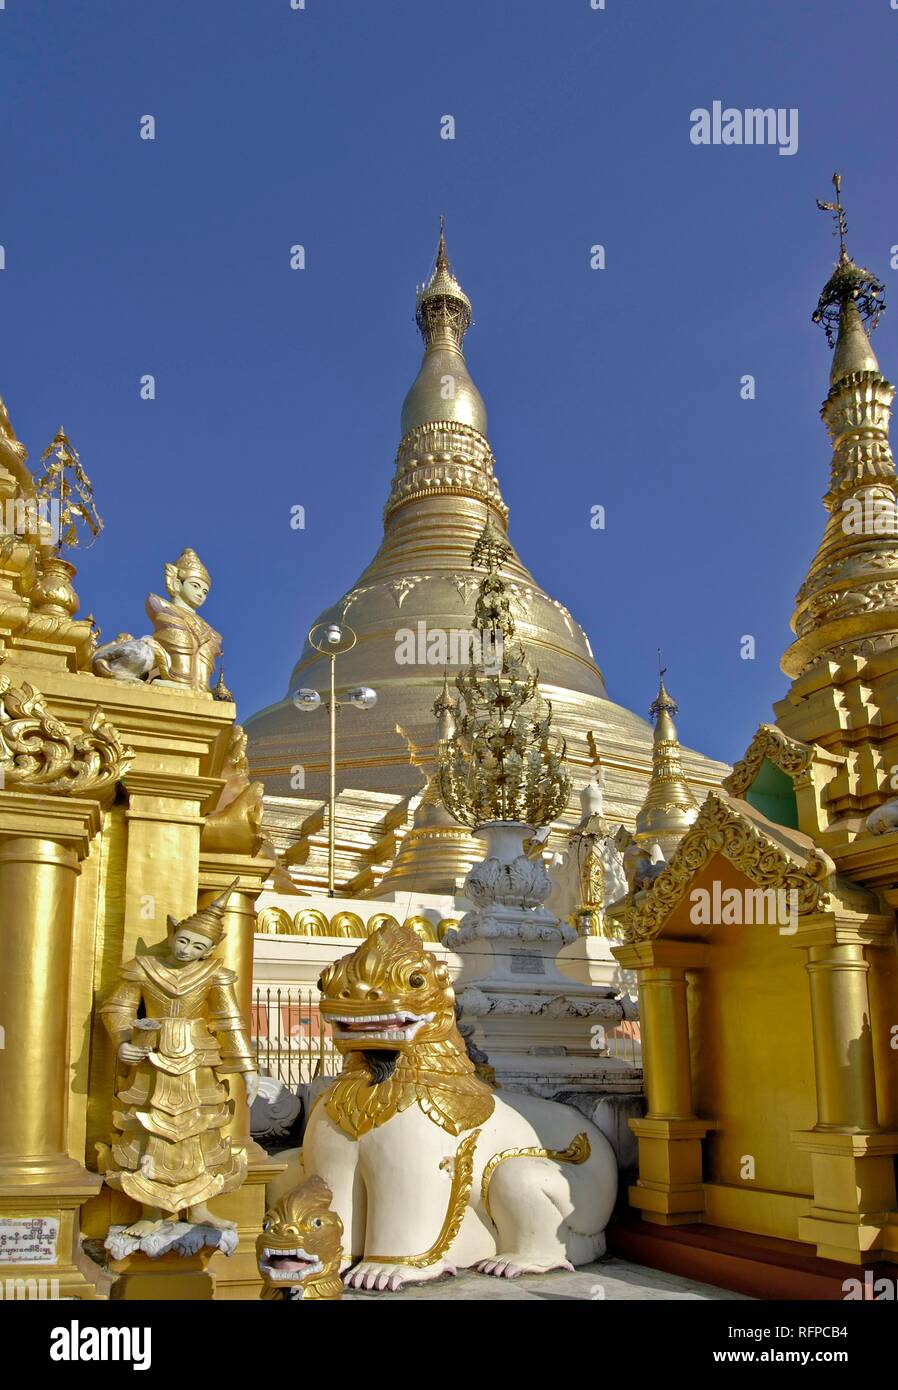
[[42, 840], [237, 1276], [669, 1191], [852, 1158], [843, 1050]]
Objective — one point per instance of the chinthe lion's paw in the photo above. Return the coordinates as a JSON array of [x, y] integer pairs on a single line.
[[513, 1266], [387, 1278]]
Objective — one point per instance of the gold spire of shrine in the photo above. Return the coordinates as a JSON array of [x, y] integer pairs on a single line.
[[848, 605], [443, 389], [669, 807]]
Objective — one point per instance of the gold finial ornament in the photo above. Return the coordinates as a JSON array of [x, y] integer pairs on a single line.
[[65, 487], [442, 309], [669, 807], [221, 691], [192, 646], [503, 762], [849, 284]]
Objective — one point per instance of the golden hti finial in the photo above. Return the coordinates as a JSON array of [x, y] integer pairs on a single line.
[[852, 296], [68, 494], [662, 701], [442, 309]]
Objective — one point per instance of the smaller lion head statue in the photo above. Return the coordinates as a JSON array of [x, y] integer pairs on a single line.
[[299, 1249]]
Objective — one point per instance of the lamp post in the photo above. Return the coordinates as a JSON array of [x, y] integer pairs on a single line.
[[333, 640]]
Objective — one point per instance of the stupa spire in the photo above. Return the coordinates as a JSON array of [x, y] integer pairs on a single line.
[[849, 602], [669, 807], [443, 389], [442, 309], [851, 297]]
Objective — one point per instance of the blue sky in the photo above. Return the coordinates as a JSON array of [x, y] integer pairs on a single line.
[[275, 387]]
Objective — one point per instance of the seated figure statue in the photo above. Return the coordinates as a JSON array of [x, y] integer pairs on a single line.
[[193, 647]]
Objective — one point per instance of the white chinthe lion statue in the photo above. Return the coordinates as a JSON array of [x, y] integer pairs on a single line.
[[431, 1170]]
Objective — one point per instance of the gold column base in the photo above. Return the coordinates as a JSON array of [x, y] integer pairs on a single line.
[[237, 1276], [854, 1217], [58, 1192], [163, 1279], [669, 1191]]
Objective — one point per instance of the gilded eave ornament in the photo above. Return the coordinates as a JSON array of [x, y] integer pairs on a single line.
[[39, 752], [721, 829], [770, 744], [503, 762]]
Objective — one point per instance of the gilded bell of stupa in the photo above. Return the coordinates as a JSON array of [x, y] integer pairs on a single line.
[[420, 583], [669, 807], [848, 604]]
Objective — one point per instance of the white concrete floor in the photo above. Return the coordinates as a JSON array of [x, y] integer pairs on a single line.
[[611, 1280]]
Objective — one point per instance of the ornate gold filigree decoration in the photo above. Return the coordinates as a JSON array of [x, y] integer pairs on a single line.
[[441, 305], [502, 762], [720, 829], [577, 1151], [38, 751], [848, 281], [300, 1246], [770, 743], [65, 485], [462, 1178], [403, 995]]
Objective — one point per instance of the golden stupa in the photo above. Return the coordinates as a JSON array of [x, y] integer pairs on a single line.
[[443, 492]]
